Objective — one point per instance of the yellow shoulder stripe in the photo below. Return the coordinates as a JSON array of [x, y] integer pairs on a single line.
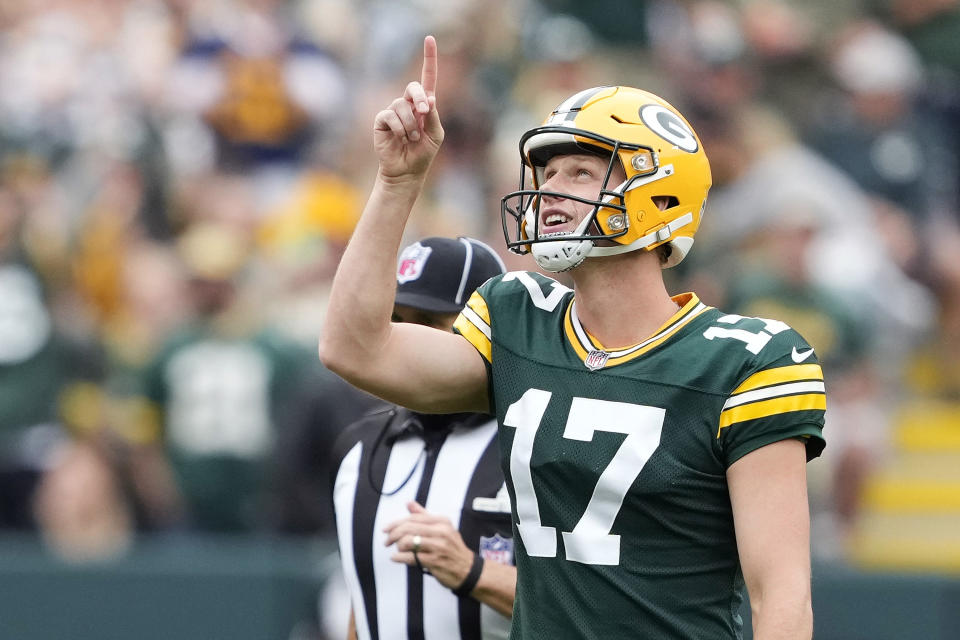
[[473, 323], [475, 336], [786, 404], [479, 305], [791, 373]]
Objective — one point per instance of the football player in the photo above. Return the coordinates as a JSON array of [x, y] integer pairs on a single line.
[[654, 447]]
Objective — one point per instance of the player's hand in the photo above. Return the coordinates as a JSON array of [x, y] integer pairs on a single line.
[[408, 134], [442, 550]]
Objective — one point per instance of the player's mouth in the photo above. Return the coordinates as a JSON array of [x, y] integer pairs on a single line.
[[554, 222]]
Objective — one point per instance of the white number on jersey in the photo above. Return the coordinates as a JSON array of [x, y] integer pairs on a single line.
[[219, 400], [547, 303], [754, 341], [590, 542]]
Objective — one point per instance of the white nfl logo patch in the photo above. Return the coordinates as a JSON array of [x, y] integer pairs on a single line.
[[497, 549], [412, 261], [596, 360]]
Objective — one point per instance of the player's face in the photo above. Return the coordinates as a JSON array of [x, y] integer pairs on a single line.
[[579, 175]]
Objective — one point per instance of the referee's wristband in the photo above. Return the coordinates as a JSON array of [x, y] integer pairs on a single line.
[[470, 582]]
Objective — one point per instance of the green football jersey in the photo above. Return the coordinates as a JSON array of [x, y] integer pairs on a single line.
[[616, 459]]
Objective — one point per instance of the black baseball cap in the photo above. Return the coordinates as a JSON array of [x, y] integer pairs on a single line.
[[439, 274]]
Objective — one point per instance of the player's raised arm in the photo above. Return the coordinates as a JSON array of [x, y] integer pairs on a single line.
[[422, 368]]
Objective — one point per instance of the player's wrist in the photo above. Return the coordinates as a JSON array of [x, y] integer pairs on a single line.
[[469, 583], [401, 180]]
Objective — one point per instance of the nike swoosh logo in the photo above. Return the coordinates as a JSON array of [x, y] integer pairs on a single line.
[[800, 356]]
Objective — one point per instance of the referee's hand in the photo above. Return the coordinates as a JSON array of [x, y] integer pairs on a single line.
[[441, 549]]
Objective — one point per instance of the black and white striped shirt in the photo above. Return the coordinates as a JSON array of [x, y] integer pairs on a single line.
[[450, 465]]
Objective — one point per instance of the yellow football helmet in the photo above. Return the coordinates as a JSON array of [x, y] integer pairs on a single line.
[[663, 161]]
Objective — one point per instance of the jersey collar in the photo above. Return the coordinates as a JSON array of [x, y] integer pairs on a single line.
[[595, 356]]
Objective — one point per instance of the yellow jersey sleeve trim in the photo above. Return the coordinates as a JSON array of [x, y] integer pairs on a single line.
[[475, 336], [742, 413], [479, 306], [791, 373]]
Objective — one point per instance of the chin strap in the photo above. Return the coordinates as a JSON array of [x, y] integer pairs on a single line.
[[657, 236], [653, 237]]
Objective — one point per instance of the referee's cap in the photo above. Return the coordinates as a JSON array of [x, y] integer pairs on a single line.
[[439, 274]]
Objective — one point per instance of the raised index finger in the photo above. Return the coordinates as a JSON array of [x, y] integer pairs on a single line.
[[428, 76]]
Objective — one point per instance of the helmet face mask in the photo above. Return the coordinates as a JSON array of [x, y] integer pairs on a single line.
[[650, 142]]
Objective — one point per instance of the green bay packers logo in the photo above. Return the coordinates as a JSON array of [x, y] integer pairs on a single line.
[[669, 126]]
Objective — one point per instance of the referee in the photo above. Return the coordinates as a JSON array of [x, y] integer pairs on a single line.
[[422, 512]]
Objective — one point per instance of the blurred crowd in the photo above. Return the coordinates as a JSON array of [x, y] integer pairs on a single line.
[[178, 180]]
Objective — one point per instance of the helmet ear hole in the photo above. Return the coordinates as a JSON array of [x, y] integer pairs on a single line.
[[665, 202]]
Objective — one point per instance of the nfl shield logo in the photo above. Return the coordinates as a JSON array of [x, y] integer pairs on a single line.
[[596, 359], [411, 263], [497, 548]]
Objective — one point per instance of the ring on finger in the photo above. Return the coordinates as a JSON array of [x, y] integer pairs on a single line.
[[417, 540]]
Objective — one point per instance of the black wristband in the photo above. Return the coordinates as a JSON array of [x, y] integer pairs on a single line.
[[470, 582]]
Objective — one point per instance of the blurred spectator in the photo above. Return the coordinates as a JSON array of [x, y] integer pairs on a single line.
[[266, 93], [763, 174], [933, 29], [771, 281], [703, 48], [77, 78], [81, 508], [932, 26], [218, 385], [620, 21], [39, 366], [875, 130], [934, 369]]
